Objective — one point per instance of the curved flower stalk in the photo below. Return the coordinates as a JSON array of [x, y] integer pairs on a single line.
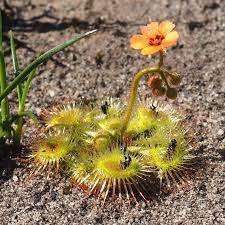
[[155, 38]]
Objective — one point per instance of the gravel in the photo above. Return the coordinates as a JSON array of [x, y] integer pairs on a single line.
[[79, 72]]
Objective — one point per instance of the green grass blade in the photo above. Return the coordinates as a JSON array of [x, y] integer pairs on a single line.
[[19, 123], [40, 60], [3, 86], [15, 64], [3, 82], [1, 30], [26, 113], [31, 116], [26, 89]]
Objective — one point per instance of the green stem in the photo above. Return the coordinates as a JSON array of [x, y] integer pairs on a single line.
[[134, 89], [160, 64], [40, 60], [164, 78], [18, 131]]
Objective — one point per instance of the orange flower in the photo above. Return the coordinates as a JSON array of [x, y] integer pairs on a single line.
[[155, 37]]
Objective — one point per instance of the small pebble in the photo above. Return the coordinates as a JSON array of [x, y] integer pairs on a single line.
[[15, 178], [220, 132], [51, 93]]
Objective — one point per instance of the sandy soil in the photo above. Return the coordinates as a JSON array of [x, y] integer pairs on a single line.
[[78, 73]]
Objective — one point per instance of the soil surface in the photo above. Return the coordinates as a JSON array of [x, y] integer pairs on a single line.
[[103, 65]]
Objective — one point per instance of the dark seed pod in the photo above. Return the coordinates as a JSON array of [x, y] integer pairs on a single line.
[[174, 78], [171, 93], [154, 82], [159, 91]]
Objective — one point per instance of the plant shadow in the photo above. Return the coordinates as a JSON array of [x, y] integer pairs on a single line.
[[47, 22], [37, 23], [222, 154], [8, 161]]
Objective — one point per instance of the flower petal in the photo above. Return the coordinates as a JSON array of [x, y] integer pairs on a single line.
[[145, 30], [170, 39], [150, 50], [138, 42], [153, 28], [165, 27]]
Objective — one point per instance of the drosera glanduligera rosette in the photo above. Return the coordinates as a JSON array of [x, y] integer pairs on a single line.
[[118, 150]]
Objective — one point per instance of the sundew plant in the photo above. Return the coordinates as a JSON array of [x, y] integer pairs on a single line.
[[121, 150]]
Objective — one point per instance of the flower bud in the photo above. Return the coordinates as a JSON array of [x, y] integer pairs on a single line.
[[154, 82], [171, 93], [174, 78], [160, 91]]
